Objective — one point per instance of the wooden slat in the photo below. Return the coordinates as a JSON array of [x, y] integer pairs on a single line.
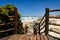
[[55, 31], [12, 37], [11, 16], [54, 24], [55, 17], [32, 37], [42, 27], [53, 37], [22, 37], [5, 38], [42, 32], [41, 36], [4, 23], [7, 17], [45, 37], [42, 23], [38, 37], [6, 30]]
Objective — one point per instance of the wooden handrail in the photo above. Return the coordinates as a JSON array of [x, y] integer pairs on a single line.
[[46, 21], [54, 10], [42, 18], [6, 30]]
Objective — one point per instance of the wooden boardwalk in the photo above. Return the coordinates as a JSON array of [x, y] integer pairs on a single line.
[[28, 37]]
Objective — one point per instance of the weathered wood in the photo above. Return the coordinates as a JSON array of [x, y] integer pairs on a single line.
[[42, 27], [6, 30], [55, 17], [26, 37], [42, 18], [35, 30], [39, 28], [47, 21], [54, 31], [42, 32], [54, 10], [54, 24], [53, 37], [42, 23], [16, 20], [7, 17]]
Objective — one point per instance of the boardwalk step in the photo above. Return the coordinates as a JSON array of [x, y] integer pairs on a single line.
[[29, 37]]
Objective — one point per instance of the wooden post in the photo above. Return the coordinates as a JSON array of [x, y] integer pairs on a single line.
[[35, 30], [47, 21], [39, 28], [15, 20], [26, 28]]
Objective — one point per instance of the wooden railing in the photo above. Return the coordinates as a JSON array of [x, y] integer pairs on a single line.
[[55, 24], [15, 17], [44, 23]]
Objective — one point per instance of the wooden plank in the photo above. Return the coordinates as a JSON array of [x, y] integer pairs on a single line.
[[21, 37], [6, 30], [6, 17], [42, 32], [42, 27], [45, 37], [38, 37], [42, 23], [55, 17], [32, 37], [51, 38], [12, 37], [10, 16], [5, 38], [55, 31], [42, 18], [4, 23], [54, 24], [41, 36]]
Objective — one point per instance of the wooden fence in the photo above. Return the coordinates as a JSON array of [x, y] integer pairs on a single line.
[[44, 23], [15, 23]]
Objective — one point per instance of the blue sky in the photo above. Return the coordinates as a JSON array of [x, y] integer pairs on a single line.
[[32, 7]]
